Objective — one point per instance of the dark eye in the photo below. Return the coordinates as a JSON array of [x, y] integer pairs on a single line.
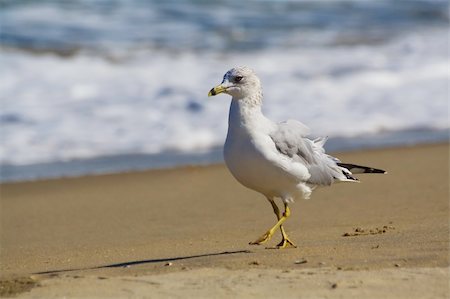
[[238, 78]]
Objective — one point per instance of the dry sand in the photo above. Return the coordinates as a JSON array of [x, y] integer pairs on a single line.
[[184, 233]]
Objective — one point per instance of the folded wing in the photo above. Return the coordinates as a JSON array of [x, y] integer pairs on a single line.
[[291, 141]]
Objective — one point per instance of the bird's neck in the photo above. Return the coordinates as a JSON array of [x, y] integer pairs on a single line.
[[245, 113]]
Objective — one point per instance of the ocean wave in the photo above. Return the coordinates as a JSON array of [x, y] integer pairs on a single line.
[[56, 109]]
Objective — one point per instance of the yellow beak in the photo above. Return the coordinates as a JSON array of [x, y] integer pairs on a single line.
[[216, 90]]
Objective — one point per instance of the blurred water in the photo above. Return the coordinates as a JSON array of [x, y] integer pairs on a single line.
[[98, 25], [84, 79]]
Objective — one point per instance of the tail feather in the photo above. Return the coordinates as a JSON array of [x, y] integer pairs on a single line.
[[354, 169]]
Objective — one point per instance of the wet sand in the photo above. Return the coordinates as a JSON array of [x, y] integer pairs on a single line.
[[184, 233]]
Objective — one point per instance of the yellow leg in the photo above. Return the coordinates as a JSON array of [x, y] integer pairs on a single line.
[[285, 242]]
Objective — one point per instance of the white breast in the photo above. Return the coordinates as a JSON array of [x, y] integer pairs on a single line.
[[246, 151]]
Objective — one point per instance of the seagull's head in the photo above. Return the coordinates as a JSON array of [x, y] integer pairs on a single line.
[[239, 82]]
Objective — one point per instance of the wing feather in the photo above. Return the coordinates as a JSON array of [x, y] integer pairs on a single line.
[[291, 141]]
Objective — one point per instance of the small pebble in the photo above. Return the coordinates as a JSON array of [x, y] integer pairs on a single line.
[[254, 263], [168, 264], [301, 261], [397, 265], [334, 285]]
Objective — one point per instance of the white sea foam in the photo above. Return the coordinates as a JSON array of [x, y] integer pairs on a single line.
[[55, 108]]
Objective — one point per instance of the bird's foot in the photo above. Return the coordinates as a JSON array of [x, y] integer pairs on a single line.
[[286, 243], [263, 239]]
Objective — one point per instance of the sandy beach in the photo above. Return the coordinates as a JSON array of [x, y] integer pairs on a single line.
[[184, 233]]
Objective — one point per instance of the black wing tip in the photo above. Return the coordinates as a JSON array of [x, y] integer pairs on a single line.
[[349, 176], [375, 170], [361, 169]]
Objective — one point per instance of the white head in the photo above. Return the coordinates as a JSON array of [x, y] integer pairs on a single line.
[[241, 83]]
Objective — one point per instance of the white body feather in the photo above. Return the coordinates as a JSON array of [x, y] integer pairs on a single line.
[[254, 160]]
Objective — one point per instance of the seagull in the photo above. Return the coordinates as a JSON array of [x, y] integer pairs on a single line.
[[275, 159]]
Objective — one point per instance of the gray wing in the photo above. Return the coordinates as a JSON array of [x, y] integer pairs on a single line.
[[290, 140]]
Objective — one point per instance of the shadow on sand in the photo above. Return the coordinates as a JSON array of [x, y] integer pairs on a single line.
[[141, 262]]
